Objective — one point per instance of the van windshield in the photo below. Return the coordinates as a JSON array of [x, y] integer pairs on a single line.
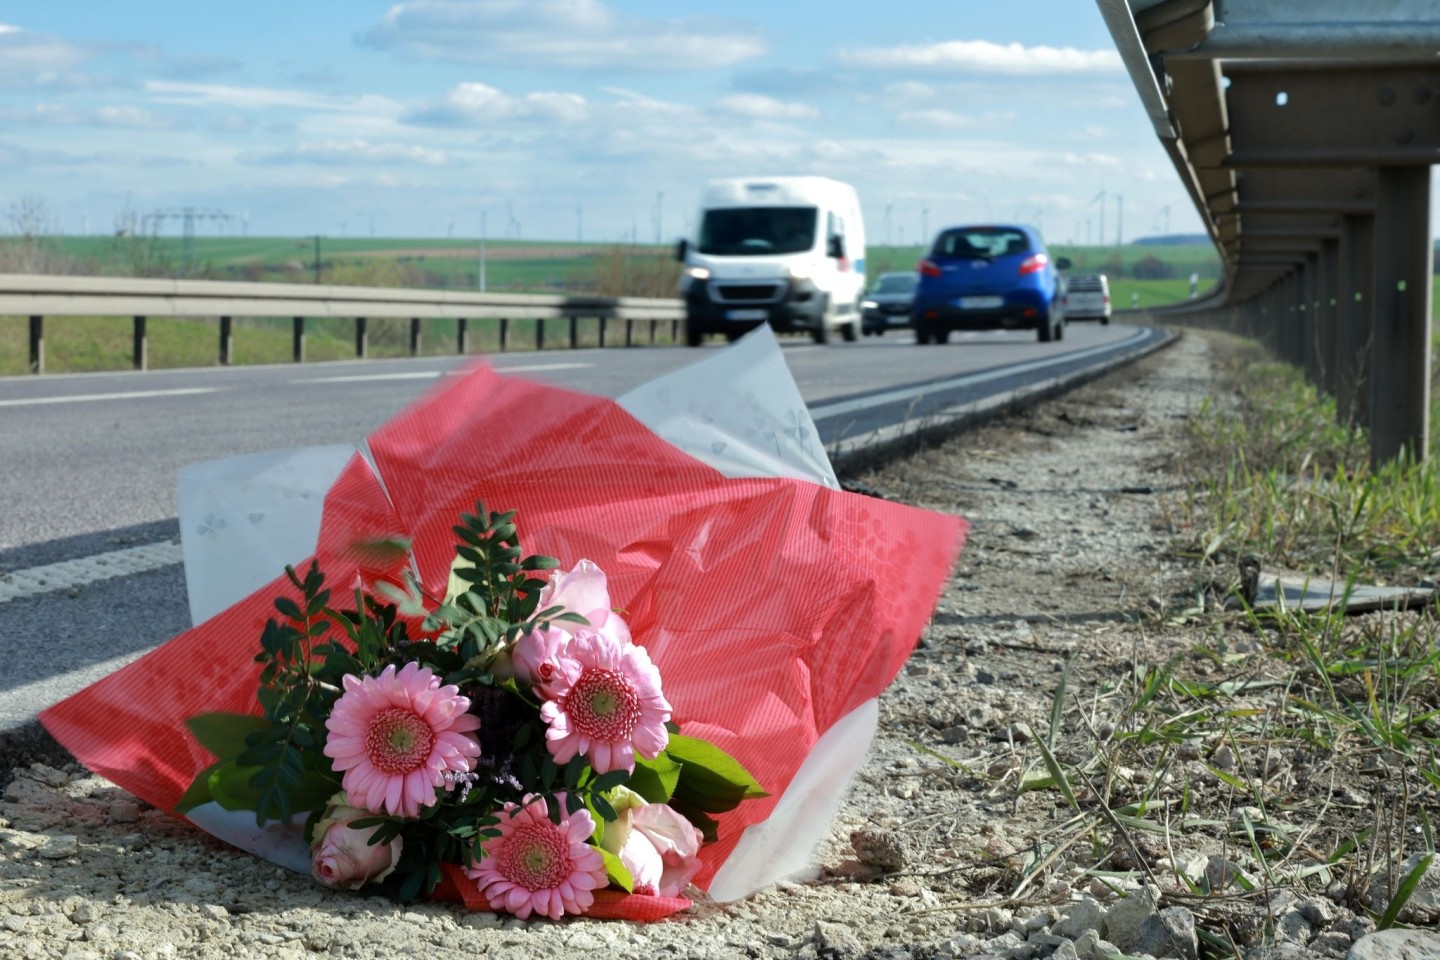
[[757, 231]]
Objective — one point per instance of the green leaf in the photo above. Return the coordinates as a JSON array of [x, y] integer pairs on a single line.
[[289, 607], [1403, 892], [198, 792], [710, 778], [223, 734], [616, 871], [655, 780]]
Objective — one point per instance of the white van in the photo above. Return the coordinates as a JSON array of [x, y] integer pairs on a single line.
[[788, 251]]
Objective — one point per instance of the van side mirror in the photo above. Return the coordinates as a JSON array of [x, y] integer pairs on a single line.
[[836, 247], [1063, 263], [682, 247]]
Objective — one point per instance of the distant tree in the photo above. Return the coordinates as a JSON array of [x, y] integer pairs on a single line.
[[32, 245], [1150, 267]]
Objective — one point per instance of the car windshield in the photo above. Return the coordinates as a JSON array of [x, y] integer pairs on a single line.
[[987, 242], [751, 231], [898, 283]]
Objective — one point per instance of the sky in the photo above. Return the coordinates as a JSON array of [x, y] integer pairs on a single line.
[[596, 120]]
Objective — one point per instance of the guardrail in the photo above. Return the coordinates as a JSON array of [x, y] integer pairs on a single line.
[[37, 297], [1303, 131]]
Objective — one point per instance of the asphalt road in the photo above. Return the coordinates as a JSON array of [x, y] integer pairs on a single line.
[[88, 463]]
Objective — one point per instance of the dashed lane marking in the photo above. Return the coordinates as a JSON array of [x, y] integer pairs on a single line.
[[128, 395], [69, 574]]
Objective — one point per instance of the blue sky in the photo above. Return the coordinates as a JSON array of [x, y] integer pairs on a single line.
[[552, 119]]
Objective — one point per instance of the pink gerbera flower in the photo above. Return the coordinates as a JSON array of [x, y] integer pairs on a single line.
[[538, 866], [395, 736], [606, 704]]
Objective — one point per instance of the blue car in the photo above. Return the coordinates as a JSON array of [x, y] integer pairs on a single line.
[[989, 278]]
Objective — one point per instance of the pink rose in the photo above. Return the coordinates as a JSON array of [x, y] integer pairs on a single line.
[[536, 659], [344, 857], [657, 845], [584, 591]]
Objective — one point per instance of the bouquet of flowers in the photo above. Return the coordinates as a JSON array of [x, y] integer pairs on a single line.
[[510, 735], [459, 698]]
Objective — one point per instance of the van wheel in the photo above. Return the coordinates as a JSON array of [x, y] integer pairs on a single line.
[[693, 337], [1060, 330], [1045, 333], [821, 332], [847, 331], [1104, 321], [922, 336]]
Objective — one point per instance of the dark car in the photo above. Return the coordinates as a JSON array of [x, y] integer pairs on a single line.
[[989, 278], [887, 305]]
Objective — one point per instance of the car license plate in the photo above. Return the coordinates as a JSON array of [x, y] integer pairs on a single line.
[[981, 303], [745, 314]]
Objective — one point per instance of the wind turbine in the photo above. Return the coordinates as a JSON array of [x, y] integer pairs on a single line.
[[1100, 199]]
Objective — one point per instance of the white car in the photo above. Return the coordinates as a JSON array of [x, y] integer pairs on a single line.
[[1087, 297]]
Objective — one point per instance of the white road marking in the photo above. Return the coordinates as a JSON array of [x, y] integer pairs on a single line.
[[68, 574], [129, 395], [910, 393], [433, 374]]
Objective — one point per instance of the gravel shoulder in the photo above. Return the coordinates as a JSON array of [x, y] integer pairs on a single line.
[[955, 840]]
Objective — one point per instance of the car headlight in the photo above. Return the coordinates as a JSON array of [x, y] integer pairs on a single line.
[[698, 273], [869, 305]]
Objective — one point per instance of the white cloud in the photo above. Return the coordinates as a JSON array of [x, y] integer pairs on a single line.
[[36, 59], [353, 153], [936, 119], [982, 56], [907, 93], [472, 103], [265, 98], [574, 33], [761, 107], [1088, 161], [57, 114]]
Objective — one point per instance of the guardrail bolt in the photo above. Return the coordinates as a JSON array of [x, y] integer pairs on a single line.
[[1387, 96]]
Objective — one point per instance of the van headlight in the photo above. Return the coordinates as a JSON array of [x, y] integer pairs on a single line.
[[869, 305], [800, 272], [698, 273]]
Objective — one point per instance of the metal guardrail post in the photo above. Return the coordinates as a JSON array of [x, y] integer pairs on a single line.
[[1352, 346], [414, 336], [674, 331], [362, 340], [574, 332], [504, 334], [1310, 316], [1328, 314], [297, 339], [1400, 359], [540, 333], [602, 333], [629, 331], [462, 345], [653, 324], [139, 345], [37, 344], [227, 342]]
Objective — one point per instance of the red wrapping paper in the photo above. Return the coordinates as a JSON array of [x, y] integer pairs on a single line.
[[773, 607]]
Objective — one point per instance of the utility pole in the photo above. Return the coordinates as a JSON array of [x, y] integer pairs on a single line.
[[924, 223], [187, 217], [482, 251], [659, 214], [316, 238], [1100, 197], [579, 224], [888, 235], [1119, 219]]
